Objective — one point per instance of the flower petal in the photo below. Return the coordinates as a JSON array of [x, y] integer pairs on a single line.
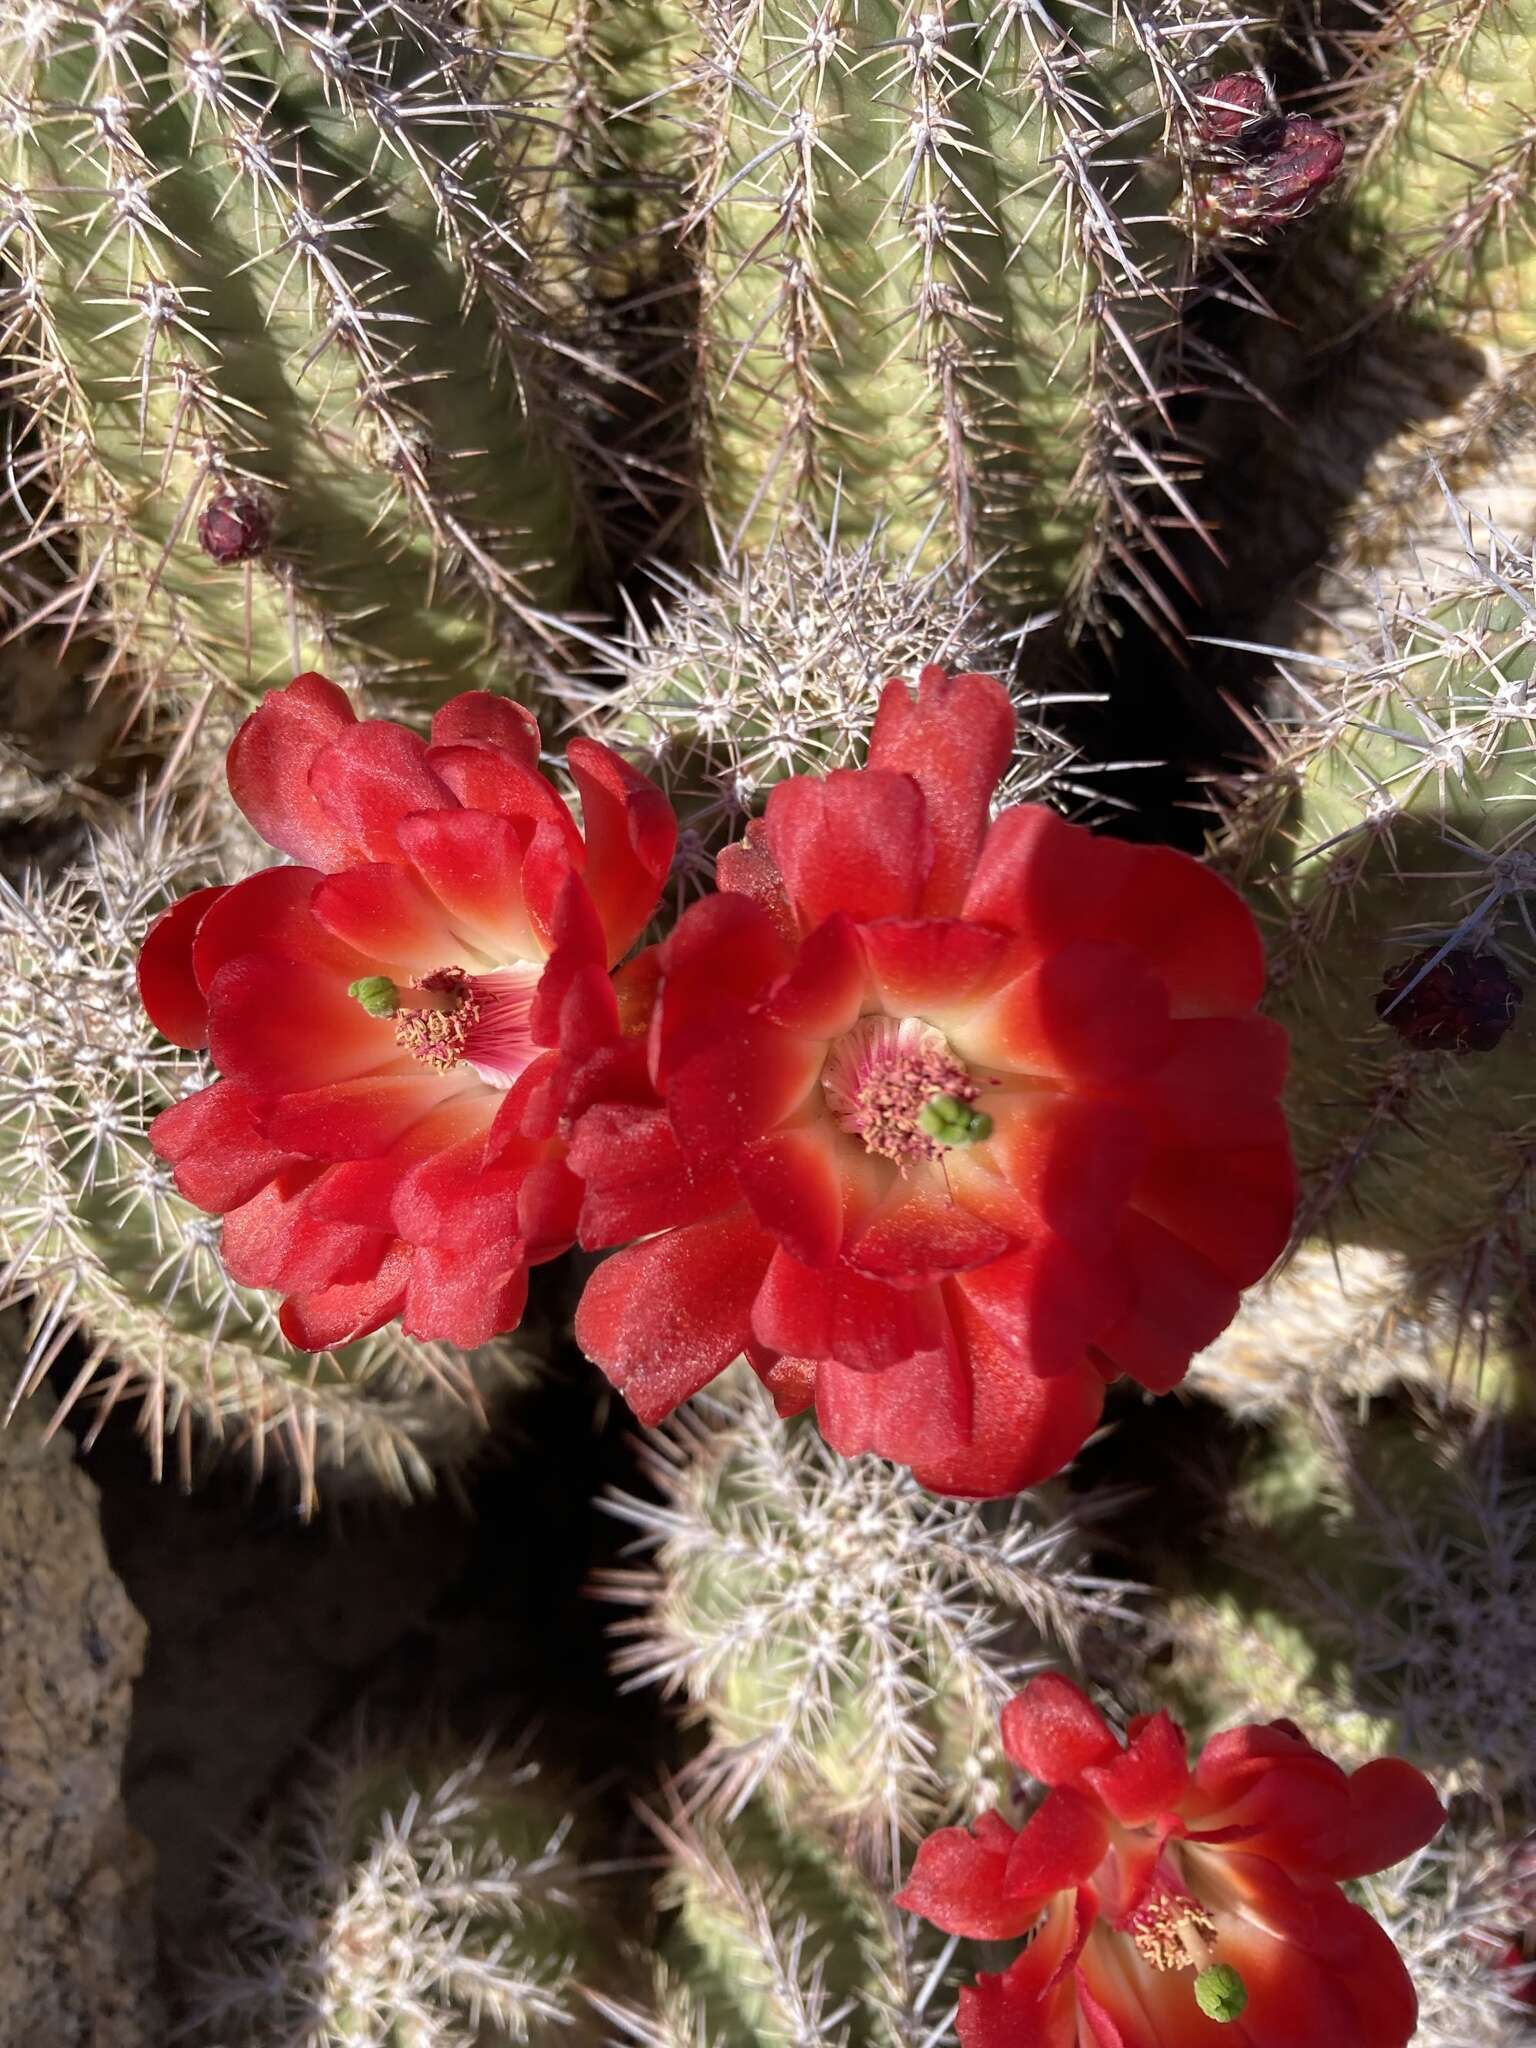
[[855, 840], [922, 1236], [268, 769], [954, 738], [636, 1177], [664, 1317], [275, 1240], [389, 917], [1091, 1013], [824, 991], [1073, 1161], [1062, 1845], [274, 912], [1179, 1303], [1232, 1204], [1043, 1305], [791, 1382], [1149, 1777], [1053, 1731], [1048, 881], [1393, 1810], [463, 1297], [920, 1407], [369, 778], [1219, 1085], [748, 868], [168, 987], [217, 1154], [477, 718], [331, 1316], [280, 1026], [957, 1883], [363, 1190], [630, 831], [354, 1119], [1192, 928], [836, 1313], [734, 1078], [489, 779], [792, 1183], [936, 967], [1033, 2003], [472, 863]]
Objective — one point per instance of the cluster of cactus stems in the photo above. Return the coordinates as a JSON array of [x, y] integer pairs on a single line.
[[390, 341]]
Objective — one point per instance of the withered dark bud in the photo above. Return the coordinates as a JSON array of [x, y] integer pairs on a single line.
[[1465, 1002], [235, 526], [1269, 167]]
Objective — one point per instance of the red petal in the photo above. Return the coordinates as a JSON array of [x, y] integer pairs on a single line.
[[1392, 1810], [922, 1237], [918, 1408], [1053, 1731], [341, 1314], [476, 718], [575, 1006], [1073, 1161], [463, 1297], [824, 991], [274, 912], [732, 1078], [663, 1318], [748, 869], [472, 864], [1179, 1303], [167, 986], [1231, 1204], [1220, 1084], [1062, 1845], [453, 1200], [637, 1179], [1090, 1013], [548, 1209], [275, 1240], [935, 966], [1049, 881], [1149, 1778], [812, 1312], [280, 1027], [723, 949], [219, 1157], [1193, 928], [957, 1884], [389, 916], [954, 739], [1043, 1305], [355, 1119], [1033, 2004], [490, 780], [791, 1382], [630, 832], [369, 779], [792, 1182], [854, 840], [363, 1190], [269, 763]]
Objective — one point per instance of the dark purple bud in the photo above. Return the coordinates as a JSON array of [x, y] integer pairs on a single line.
[[1231, 104], [235, 525], [1465, 1002]]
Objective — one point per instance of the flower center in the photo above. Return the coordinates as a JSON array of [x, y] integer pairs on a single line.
[[450, 1017], [1172, 1931], [894, 1083]]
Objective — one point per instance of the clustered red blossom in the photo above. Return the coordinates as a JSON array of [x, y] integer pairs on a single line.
[[945, 1121], [1270, 167], [1171, 1905]]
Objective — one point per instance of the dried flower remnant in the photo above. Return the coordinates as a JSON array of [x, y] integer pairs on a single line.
[[1163, 1900], [235, 526], [1450, 1000], [1268, 168], [944, 1121]]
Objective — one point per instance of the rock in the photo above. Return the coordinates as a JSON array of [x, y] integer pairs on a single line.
[[77, 1957]]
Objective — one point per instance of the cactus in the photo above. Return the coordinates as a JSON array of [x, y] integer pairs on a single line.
[[1384, 848], [287, 346], [848, 1638], [415, 1895], [122, 1273], [772, 665], [1456, 1911], [941, 276]]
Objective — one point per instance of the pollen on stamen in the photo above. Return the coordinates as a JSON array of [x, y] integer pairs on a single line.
[[881, 1076], [1171, 1930], [436, 1035]]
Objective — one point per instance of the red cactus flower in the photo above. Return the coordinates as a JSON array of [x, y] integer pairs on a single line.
[[1166, 1902], [383, 1137], [945, 1123]]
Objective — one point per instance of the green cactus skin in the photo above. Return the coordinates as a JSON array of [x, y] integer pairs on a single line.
[[1396, 816], [277, 248], [940, 274], [848, 1639], [421, 1898], [772, 665], [94, 1235]]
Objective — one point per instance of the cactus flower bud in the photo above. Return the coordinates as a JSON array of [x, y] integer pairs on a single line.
[[1455, 1001], [235, 526], [1270, 167]]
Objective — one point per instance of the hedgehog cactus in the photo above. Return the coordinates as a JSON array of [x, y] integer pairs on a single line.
[[1385, 851], [418, 1896], [287, 344], [846, 1637], [122, 1273], [940, 273]]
